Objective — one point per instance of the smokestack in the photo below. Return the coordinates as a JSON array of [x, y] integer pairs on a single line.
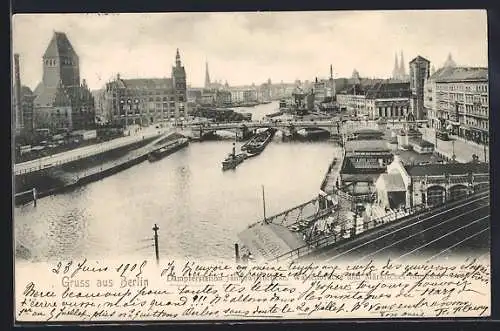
[[17, 116]]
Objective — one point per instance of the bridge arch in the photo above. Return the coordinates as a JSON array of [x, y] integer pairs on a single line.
[[458, 191], [481, 187], [436, 195]]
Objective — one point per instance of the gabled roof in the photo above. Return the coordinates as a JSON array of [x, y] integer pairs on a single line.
[[147, 83], [389, 90], [375, 145], [420, 59], [60, 46]]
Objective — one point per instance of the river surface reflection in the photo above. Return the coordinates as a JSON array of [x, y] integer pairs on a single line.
[[199, 208]]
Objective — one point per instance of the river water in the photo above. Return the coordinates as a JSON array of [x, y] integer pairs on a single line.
[[199, 208]]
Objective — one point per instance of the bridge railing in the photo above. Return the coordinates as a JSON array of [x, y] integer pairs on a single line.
[[345, 235], [52, 160]]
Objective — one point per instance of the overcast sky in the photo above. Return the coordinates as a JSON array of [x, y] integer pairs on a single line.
[[251, 47]]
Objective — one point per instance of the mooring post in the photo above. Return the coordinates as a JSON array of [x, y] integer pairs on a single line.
[[155, 229], [237, 252], [34, 196]]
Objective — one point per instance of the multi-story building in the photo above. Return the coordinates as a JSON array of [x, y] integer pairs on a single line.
[[223, 98], [22, 103], [419, 73], [324, 89], [194, 94], [430, 184], [144, 101], [388, 100], [383, 99], [27, 103], [457, 100], [61, 102], [265, 91], [101, 115], [364, 161], [353, 99], [17, 100], [241, 95]]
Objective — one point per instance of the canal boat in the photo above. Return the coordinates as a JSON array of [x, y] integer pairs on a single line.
[[167, 149], [233, 160], [259, 142]]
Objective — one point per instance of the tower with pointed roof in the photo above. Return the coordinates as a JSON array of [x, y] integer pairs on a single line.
[[179, 79], [179, 85], [395, 71], [60, 62], [207, 76], [402, 67], [61, 101]]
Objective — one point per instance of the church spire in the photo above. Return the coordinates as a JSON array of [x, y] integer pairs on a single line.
[[331, 71], [207, 76], [395, 71], [402, 67], [177, 59]]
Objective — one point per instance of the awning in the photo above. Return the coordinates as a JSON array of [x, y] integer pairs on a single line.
[[268, 241]]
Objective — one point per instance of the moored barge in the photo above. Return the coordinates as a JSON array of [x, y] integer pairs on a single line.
[[167, 149], [259, 142]]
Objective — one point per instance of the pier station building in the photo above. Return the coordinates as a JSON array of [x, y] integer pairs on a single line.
[[363, 162], [429, 184]]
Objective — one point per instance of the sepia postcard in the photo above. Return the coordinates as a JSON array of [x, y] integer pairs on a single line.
[[250, 166]]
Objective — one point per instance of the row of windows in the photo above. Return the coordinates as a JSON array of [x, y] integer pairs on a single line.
[[155, 114], [477, 124], [142, 91], [53, 62], [481, 88], [460, 97], [157, 99]]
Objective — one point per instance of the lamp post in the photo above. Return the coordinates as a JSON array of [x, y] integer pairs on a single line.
[[122, 109], [137, 112], [453, 150]]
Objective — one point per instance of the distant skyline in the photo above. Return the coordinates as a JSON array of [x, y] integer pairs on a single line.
[[245, 48]]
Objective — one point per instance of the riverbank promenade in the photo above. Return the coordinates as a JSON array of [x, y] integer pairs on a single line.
[[83, 152], [463, 149]]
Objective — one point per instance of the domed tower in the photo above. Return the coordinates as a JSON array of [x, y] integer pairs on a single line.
[[449, 62]]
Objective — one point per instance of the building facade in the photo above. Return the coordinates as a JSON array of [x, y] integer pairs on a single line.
[[17, 99], [419, 73], [61, 102], [27, 111], [457, 100], [381, 100], [144, 101], [434, 184], [353, 100], [363, 162]]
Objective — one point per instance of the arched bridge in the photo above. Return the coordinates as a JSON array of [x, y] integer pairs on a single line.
[[287, 127]]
